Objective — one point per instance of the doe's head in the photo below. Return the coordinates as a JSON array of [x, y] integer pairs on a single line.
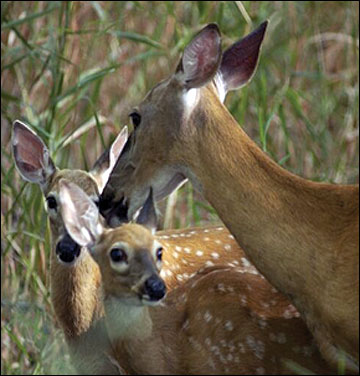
[[169, 123]]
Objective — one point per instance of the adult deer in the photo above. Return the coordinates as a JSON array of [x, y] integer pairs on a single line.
[[75, 278], [212, 324], [303, 236]]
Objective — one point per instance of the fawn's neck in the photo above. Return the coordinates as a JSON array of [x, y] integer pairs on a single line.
[[75, 294], [137, 346], [127, 321]]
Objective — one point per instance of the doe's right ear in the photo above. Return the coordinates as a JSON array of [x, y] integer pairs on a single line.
[[32, 158]]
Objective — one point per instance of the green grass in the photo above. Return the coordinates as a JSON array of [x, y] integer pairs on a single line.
[[70, 66]]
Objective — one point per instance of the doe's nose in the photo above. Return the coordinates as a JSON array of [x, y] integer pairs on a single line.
[[67, 249], [155, 288]]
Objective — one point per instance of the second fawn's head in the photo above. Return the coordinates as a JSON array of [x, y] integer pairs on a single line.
[[170, 121], [129, 256], [33, 161]]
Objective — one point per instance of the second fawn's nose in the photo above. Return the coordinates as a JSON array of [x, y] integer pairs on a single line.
[[67, 250], [155, 288]]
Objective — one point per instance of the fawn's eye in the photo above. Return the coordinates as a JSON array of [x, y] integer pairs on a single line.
[[118, 255], [135, 118], [51, 202], [159, 253]]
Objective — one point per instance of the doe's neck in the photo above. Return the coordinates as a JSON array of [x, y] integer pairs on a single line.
[[273, 214]]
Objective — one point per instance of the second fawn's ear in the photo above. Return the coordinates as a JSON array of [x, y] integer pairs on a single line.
[[32, 157], [80, 214], [147, 216], [239, 61], [106, 163], [201, 58]]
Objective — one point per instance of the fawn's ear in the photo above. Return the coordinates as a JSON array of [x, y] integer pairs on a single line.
[[105, 164], [32, 158], [201, 58], [239, 62], [80, 214], [147, 216]]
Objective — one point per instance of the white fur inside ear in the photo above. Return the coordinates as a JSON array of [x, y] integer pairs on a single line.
[[190, 99]]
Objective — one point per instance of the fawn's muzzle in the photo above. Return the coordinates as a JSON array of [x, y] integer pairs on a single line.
[[155, 288], [67, 250]]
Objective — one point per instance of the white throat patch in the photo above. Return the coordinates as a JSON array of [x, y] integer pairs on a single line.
[[191, 99]]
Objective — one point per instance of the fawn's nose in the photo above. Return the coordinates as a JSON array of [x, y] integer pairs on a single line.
[[155, 288], [67, 250]]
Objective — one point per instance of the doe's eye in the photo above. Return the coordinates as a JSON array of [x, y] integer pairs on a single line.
[[135, 118], [118, 255], [51, 202], [159, 253]]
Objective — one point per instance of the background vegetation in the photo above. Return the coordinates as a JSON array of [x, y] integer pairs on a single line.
[[73, 71]]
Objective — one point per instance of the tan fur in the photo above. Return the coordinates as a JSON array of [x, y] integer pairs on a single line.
[[76, 290], [222, 320], [303, 236]]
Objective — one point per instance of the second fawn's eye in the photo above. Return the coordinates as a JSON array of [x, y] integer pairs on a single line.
[[135, 118], [159, 253], [51, 202], [118, 255]]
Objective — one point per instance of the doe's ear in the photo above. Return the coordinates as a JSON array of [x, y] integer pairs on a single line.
[[80, 214], [239, 61], [147, 216], [201, 58], [32, 158], [106, 163]]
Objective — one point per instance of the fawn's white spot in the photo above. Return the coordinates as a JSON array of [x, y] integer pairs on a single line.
[[215, 255], [207, 316], [229, 326], [245, 262]]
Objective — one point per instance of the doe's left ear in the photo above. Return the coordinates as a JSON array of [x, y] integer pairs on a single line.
[[239, 62], [201, 58], [147, 216]]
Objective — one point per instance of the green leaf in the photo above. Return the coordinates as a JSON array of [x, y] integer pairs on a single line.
[[135, 37], [54, 5]]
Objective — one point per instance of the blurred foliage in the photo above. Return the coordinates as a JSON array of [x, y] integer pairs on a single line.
[[82, 66]]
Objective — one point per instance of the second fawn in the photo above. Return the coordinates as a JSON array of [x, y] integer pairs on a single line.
[[217, 322]]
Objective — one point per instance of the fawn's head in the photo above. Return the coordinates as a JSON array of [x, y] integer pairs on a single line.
[[169, 122], [129, 256], [33, 161]]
